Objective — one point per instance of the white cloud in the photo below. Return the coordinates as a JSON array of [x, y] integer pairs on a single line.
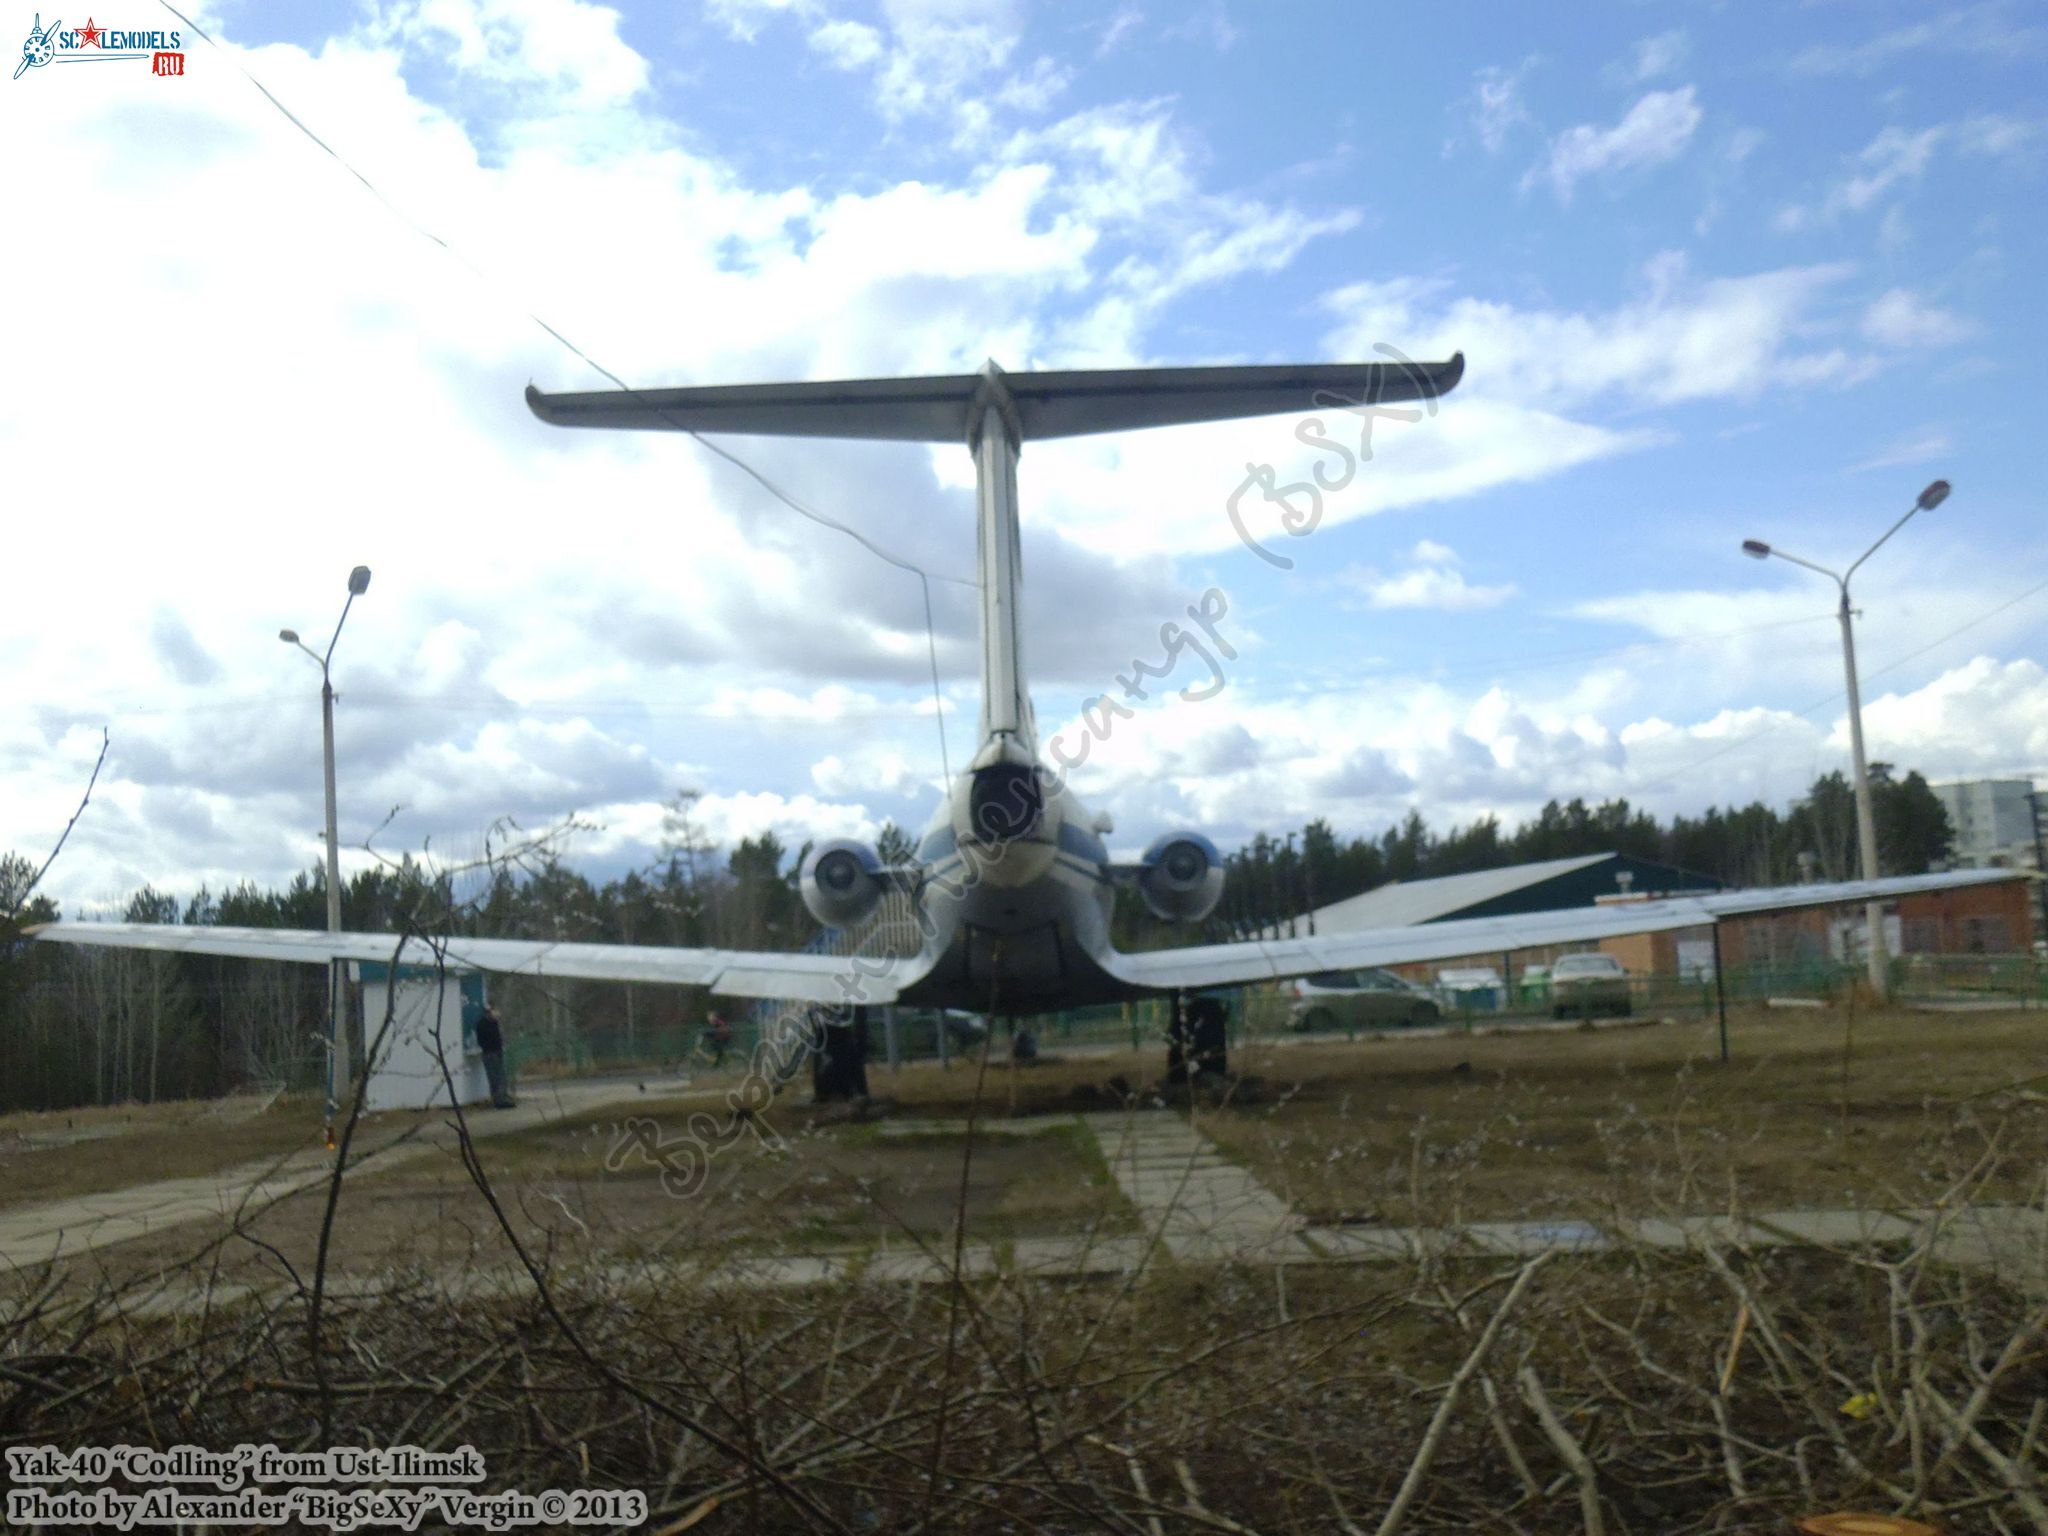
[[1984, 29], [1495, 106], [1685, 338], [1036, 88], [1914, 448], [847, 44], [1120, 26], [883, 771], [1433, 582], [725, 819], [744, 19], [1985, 716], [1891, 160], [1512, 420], [1655, 130], [1894, 156], [1660, 55], [503, 660], [1434, 587], [1362, 756], [2003, 136], [1209, 24], [1900, 318], [571, 48]]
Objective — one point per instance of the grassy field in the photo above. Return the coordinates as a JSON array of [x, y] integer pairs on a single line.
[[1813, 1108]]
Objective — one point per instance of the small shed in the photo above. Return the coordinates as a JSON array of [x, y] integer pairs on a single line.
[[433, 1014]]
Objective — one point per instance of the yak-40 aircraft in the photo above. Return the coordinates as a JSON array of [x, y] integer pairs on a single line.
[[1011, 884]]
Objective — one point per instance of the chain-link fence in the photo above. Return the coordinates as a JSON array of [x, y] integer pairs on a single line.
[[1279, 1012]]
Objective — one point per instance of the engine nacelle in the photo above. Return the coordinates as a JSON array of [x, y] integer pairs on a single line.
[[1181, 877], [842, 882]]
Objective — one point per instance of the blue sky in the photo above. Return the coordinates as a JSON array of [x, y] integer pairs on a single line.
[[1717, 273]]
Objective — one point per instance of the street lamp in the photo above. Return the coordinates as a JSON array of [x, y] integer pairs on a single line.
[[337, 1032], [1866, 824]]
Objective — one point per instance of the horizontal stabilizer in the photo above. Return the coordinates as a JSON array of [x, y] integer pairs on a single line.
[[941, 409]]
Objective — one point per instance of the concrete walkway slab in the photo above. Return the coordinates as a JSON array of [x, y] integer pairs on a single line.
[[1203, 1207]]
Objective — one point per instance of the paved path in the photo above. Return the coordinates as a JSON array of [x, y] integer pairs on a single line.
[[36, 1234], [1198, 1203]]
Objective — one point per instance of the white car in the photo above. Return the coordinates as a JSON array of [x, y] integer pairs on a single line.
[[1588, 984]]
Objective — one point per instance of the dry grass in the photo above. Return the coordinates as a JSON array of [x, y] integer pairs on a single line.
[[1589, 1395]]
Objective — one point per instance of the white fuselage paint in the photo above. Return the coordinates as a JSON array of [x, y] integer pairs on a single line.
[[1016, 924]]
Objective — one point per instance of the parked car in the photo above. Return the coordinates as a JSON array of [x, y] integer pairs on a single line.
[[1588, 984], [1359, 1000]]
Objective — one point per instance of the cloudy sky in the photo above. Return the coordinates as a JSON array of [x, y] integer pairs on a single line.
[[1714, 278]]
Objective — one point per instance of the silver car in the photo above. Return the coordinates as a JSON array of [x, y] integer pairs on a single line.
[[1369, 999]]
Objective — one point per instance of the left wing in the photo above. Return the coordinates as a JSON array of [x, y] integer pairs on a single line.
[[727, 972], [1217, 965]]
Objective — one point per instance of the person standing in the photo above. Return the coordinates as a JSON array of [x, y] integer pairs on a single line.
[[490, 1039], [718, 1038]]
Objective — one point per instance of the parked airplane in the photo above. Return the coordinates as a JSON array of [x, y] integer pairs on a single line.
[[1011, 885]]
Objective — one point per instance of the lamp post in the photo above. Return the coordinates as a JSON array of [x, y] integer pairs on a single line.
[[1866, 823], [337, 1031]]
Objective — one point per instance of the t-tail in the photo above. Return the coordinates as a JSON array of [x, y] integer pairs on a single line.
[[995, 413]]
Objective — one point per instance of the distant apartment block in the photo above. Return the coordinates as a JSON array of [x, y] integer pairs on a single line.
[[1999, 822], [1993, 821]]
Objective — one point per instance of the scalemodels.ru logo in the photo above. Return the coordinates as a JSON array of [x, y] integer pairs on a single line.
[[92, 43]]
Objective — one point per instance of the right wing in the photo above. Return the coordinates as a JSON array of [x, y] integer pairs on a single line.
[[727, 972], [1218, 965]]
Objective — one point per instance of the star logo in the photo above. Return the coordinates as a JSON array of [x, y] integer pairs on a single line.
[[89, 35]]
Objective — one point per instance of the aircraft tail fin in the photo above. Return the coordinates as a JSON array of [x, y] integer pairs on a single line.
[[946, 408], [994, 413]]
